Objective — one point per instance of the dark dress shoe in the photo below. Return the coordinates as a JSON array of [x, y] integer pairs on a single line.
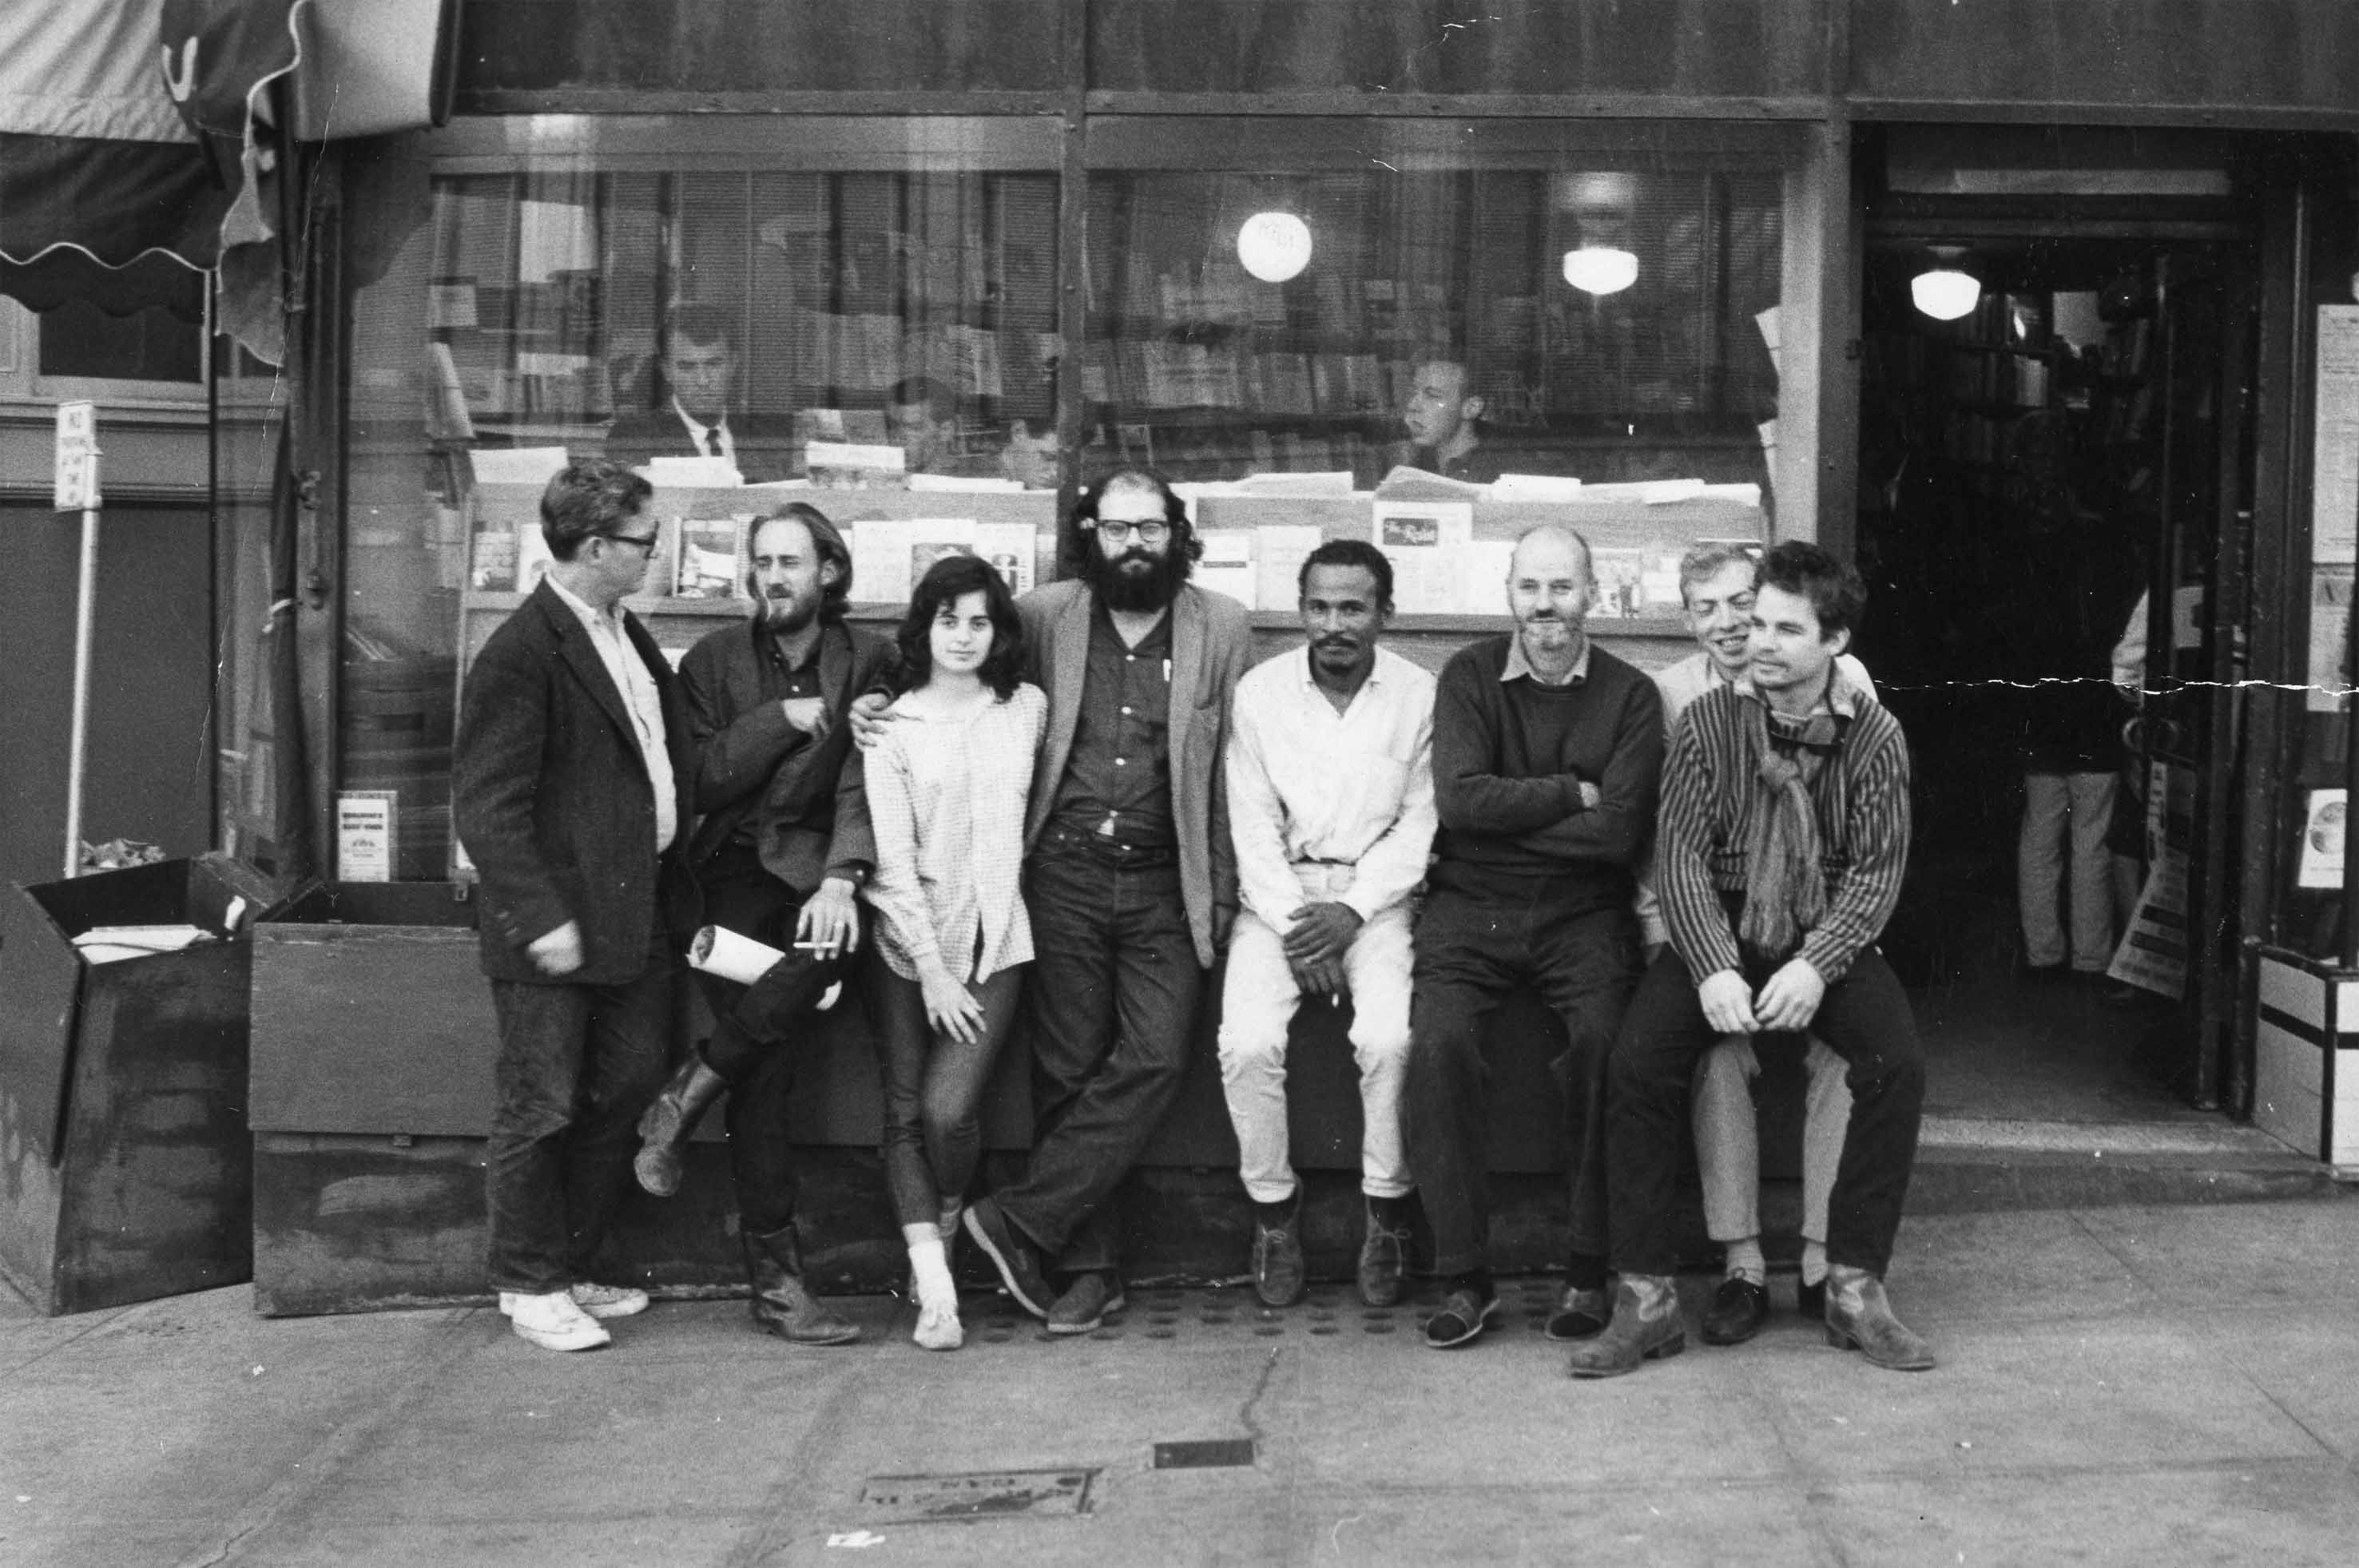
[[1087, 1302], [1463, 1315], [1739, 1308], [1581, 1314]]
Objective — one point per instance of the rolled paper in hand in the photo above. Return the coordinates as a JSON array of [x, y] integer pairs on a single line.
[[719, 950]]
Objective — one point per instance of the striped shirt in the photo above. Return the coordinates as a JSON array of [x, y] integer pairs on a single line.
[[946, 798], [1862, 801]]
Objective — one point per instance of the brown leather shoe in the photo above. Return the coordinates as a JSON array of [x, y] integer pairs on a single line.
[[774, 1262], [1859, 1317], [667, 1123], [1383, 1255], [1646, 1325]]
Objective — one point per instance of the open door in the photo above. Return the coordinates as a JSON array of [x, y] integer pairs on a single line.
[[2186, 369]]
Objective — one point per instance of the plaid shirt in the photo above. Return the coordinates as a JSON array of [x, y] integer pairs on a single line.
[[946, 800]]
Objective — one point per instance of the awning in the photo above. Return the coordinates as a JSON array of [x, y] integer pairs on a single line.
[[140, 141], [106, 193]]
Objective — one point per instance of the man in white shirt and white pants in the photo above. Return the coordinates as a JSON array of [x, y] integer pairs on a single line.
[[1330, 774]]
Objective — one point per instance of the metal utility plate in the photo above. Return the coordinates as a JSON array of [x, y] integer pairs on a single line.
[[974, 1495], [1208, 1453]]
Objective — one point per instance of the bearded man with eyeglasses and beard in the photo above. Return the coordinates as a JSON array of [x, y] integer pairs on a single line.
[[1129, 876]]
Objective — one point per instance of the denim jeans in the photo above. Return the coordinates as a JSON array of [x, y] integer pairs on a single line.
[[2052, 804], [1471, 952], [1115, 987], [1864, 1019], [933, 1090], [577, 1064]]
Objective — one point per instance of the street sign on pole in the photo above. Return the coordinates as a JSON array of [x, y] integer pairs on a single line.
[[78, 492], [77, 489]]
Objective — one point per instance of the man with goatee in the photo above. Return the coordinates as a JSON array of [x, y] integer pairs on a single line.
[[1130, 878], [783, 848]]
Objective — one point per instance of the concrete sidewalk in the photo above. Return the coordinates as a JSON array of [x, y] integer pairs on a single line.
[[2119, 1384]]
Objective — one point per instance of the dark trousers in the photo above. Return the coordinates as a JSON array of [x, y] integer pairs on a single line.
[[1864, 1019], [933, 1088], [1115, 985], [753, 1043], [1471, 952], [577, 1065]]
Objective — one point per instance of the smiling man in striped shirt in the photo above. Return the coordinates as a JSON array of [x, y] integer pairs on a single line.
[[1780, 852]]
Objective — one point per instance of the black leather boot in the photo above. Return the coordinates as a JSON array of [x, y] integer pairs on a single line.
[[774, 1262], [669, 1121]]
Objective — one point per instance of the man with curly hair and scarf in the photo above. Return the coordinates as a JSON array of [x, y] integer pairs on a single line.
[[1783, 835]]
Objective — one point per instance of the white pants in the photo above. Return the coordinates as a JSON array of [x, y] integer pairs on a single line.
[[2051, 802], [1728, 1138], [1258, 1003]]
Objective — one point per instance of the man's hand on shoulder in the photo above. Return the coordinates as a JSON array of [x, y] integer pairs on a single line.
[[830, 923], [1727, 1003], [871, 718], [1591, 795], [1790, 1000], [558, 953]]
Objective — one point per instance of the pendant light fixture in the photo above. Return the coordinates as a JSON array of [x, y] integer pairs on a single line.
[[1601, 269], [1945, 291], [1274, 245]]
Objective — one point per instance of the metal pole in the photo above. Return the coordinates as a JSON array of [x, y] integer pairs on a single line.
[[85, 612], [2350, 761]]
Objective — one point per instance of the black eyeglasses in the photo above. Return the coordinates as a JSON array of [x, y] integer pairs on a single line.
[[646, 543], [1148, 533]]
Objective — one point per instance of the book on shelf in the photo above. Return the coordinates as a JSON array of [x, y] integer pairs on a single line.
[[1279, 552], [1423, 541], [711, 552], [1228, 567]]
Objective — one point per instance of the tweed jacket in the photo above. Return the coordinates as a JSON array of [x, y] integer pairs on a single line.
[[1211, 645], [808, 797], [550, 798]]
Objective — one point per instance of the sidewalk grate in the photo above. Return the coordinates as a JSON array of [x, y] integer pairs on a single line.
[[1205, 1454], [951, 1497]]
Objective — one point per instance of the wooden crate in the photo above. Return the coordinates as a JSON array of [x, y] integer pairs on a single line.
[[123, 1092]]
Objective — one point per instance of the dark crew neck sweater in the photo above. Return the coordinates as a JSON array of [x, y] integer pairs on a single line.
[[1509, 757]]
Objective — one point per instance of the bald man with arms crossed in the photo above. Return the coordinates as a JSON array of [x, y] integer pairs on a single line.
[[1546, 751]]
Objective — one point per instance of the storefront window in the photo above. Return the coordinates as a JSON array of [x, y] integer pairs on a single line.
[[1490, 321], [716, 306]]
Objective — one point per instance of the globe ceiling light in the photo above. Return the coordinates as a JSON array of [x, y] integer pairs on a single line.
[[1944, 291], [1600, 270], [1274, 247]]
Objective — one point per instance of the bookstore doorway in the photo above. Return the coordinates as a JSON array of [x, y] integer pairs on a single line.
[[2054, 458]]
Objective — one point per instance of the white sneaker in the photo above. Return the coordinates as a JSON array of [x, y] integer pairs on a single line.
[[553, 1322], [609, 1300], [938, 1328]]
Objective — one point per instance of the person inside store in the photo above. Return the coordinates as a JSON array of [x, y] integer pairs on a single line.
[[921, 420], [1034, 455], [2069, 717], [1716, 587], [571, 789], [1443, 418], [1331, 810], [696, 408], [947, 790], [781, 851], [1130, 877], [1546, 755], [1784, 834]]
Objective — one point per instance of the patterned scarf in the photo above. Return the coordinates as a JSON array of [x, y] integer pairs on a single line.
[[1786, 886]]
